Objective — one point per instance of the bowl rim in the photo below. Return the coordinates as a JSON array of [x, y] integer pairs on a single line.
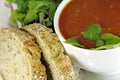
[[84, 56], [60, 8]]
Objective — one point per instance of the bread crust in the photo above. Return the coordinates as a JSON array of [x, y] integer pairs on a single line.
[[53, 52], [20, 56]]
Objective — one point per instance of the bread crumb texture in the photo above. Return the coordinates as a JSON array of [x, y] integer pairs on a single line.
[[20, 56], [53, 51]]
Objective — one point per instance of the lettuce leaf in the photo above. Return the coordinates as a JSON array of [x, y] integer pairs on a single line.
[[32, 9]]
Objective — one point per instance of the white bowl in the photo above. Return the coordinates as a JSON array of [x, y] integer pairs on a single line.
[[103, 62]]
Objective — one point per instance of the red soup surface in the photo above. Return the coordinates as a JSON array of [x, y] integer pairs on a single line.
[[79, 14]]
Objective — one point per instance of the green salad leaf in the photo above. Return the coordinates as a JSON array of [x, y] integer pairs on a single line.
[[17, 16], [10, 1], [33, 10], [30, 11]]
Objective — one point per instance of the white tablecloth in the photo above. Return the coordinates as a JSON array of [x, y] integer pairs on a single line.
[[4, 14]]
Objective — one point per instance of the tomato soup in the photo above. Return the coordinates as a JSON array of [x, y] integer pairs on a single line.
[[78, 14]]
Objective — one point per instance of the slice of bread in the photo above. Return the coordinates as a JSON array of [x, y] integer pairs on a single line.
[[53, 52], [20, 56]]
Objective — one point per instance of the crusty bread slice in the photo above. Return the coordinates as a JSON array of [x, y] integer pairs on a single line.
[[20, 56], [53, 52]]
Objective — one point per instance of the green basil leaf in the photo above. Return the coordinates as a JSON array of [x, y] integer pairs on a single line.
[[74, 41], [110, 39], [99, 42], [93, 32], [107, 46]]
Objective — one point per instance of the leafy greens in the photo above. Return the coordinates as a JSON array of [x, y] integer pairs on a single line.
[[74, 41], [34, 11], [94, 32]]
